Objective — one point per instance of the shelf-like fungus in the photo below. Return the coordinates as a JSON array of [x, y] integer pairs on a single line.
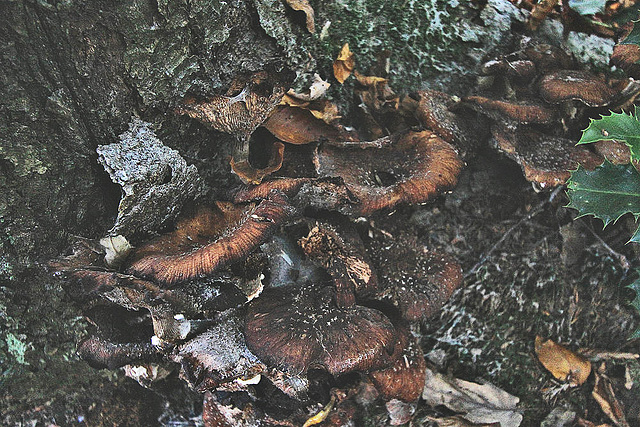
[[407, 168], [211, 239]]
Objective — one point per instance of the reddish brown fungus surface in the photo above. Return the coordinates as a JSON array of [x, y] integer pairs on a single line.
[[592, 90], [522, 112], [411, 168], [296, 329], [245, 106], [404, 378], [414, 279], [341, 252], [210, 240], [434, 113], [545, 160]]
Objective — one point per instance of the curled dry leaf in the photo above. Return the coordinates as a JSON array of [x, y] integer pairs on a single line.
[[304, 6], [316, 91], [297, 125], [344, 64], [478, 403], [564, 364]]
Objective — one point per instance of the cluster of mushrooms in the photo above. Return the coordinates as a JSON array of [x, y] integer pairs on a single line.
[[288, 294]]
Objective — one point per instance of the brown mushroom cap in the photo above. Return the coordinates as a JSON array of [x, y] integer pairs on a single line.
[[415, 280], [299, 126], [404, 379], [299, 328], [627, 57], [246, 105], [545, 160], [434, 113], [592, 90], [516, 67], [502, 111], [616, 152], [409, 168], [210, 240]]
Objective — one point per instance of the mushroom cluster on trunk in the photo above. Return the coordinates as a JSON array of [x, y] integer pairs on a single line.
[[283, 290], [537, 102]]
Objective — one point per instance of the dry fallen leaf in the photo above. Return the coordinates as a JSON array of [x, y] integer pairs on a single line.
[[316, 91], [369, 80], [563, 363], [478, 403], [301, 126], [344, 64], [304, 6], [606, 398]]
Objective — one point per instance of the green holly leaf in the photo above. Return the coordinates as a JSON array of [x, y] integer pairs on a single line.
[[618, 126], [587, 7], [634, 35], [607, 192], [635, 286]]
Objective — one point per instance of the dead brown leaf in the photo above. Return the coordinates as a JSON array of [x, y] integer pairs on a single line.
[[344, 64], [301, 126], [606, 398], [564, 364], [316, 91], [477, 403], [369, 80], [304, 6]]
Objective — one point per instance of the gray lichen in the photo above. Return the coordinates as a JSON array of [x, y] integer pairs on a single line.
[[156, 181]]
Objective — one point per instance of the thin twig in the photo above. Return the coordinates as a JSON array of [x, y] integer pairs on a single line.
[[530, 215]]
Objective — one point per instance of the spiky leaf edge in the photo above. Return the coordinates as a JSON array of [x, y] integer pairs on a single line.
[[635, 238], [621, 127]]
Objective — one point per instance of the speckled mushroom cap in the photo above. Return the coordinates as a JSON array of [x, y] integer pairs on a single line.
[[545, 160], [209, 240], [417, 281], [434, 113], [407, 168], [298, 328]]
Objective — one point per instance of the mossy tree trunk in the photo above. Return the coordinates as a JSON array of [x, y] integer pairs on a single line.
[[75, 72]]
